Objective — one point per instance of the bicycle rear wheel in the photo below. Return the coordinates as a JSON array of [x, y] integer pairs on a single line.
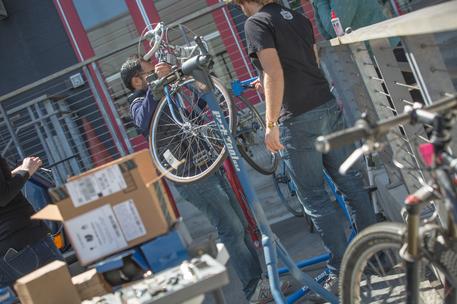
[[250, 133], [286, 195], [289, 198], [373, 271], [194, 138]]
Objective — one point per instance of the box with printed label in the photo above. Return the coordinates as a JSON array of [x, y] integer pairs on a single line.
[[111, 208]]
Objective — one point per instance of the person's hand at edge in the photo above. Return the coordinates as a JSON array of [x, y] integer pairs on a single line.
[[29, 164], [272, 140]]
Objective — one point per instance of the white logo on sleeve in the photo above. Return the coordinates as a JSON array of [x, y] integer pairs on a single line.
[[286, 14]]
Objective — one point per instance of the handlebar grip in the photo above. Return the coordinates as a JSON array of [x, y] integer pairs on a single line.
[[344, 137]]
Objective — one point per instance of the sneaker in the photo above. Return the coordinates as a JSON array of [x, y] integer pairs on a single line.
[[262, 293], [330, 284]]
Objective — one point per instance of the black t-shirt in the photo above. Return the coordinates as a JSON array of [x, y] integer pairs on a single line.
[[291, 34], [17, 230]]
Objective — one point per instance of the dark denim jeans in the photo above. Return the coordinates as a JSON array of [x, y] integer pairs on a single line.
[[214, 198], [19, 263], [298, 135]]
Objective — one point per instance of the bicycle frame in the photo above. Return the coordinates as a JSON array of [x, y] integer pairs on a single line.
[[412, 252]]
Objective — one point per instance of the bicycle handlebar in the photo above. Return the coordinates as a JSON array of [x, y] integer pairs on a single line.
[[338, 139], [364, 130], [157, 39]]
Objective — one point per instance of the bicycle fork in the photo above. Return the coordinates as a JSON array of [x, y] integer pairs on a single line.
[[412, 254], [411, 251]]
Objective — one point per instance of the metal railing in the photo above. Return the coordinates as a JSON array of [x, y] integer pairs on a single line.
[[371, 75]]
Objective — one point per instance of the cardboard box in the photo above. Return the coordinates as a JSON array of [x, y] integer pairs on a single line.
[[50, 284], [91, 284], [112, 207]]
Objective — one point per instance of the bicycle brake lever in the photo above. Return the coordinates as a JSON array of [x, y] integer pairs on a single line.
[[351, 160], [365, 149]]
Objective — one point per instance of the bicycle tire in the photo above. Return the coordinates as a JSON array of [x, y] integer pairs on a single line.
[[291, 203], [388, 236], [250, 137], [199, 134]]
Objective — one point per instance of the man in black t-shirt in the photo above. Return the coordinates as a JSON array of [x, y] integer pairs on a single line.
[[281, 46], [24, 243]]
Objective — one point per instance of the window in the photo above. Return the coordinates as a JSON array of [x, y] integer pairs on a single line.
[[95, 12]]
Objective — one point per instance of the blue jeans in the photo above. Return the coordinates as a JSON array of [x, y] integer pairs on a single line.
[[19, 263], [213, 196], [298, 135]]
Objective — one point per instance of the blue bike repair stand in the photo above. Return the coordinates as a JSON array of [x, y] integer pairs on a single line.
[[272, 246], [238, 87]]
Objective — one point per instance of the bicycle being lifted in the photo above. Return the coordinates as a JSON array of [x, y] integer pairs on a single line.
[[412, 263], [184, 121]]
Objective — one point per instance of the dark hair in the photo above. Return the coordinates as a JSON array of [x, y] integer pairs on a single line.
[[129, 69]]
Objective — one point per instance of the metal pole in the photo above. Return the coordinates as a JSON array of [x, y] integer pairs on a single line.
[[12, 133], [40, 136], [63, 141], [55, 155], [75, 135]]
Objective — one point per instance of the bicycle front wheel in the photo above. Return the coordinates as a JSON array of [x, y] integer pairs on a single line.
[[373, 272], [250, 134], [184, 140]]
